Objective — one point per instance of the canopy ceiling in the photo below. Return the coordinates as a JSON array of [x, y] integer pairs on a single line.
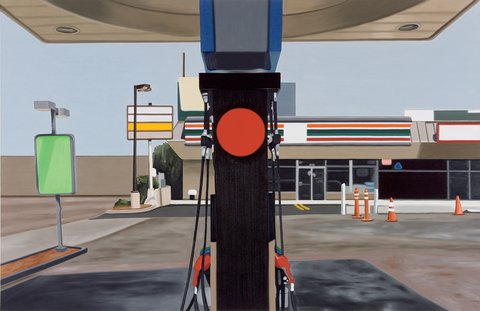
[[178, 20]]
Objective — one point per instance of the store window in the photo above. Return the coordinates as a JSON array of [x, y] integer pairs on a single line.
[[417, 165], [475, 165], [337, 162], [475, 185], [336, 177], [288, 162], [365, 162], [287, 179], [458, 165], [413, 185], [458, 185], [363, 176], [311, 162]]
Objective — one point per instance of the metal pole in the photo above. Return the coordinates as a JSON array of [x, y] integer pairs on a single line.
[[150, 161], [350, 175], [150, 165], [343, 207], [134, 179], [60, 246], [183, 64], [53, 115], [375, 202]]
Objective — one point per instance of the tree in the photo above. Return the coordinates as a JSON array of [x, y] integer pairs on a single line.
[[165, 160]]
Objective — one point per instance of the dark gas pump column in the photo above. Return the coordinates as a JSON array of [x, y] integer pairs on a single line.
[[241, 44], [242, 273]]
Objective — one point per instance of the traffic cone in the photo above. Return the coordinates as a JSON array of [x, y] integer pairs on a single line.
[[458, 207], [356, 196], [392, 217], [366, 216]]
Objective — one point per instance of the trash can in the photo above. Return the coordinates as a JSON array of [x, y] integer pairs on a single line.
[[192, 193]]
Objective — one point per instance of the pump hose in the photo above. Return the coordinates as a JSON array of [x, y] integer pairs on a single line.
[[272, 166], [192, 253], [202, 280], [280, 209], [190, 305], [293, 301], [277, 159]]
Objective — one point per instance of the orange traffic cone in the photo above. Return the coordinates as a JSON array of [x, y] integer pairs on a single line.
[[458, 207], [356, 196], [366, 216], [392, 217]]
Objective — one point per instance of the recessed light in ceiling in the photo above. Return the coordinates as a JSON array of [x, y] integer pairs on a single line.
[[69, 30], [409, 27]]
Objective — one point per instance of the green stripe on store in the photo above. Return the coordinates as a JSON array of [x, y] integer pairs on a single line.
[[358, 133], [193, 132]]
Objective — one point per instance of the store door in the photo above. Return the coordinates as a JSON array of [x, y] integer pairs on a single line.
[[311, 183]]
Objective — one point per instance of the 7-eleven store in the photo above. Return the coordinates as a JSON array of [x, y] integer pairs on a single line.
[[400, 158]]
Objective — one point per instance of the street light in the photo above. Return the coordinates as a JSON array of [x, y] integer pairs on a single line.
[[45, 105], [136, 88]]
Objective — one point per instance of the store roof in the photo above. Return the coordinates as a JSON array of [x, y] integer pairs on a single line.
[[68, 21]]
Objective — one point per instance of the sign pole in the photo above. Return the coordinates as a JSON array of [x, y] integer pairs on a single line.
[[60, 246], [134, 178], [150, 164]]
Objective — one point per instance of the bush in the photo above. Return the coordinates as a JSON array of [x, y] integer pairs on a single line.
[[142, 186], [165, 160], [121, 203]]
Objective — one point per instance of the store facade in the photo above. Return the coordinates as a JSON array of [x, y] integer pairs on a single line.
[[403, 178], [399, 157]]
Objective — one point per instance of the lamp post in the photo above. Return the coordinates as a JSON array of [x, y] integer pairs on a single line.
[[135, 196], [54, 114], [45, 105]]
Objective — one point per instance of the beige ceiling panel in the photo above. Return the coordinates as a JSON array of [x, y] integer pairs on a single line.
[[37, 11], [57, 20], [442, 6], [16, 3], [389, 27], [106, 37], [347, 36], [177, 21], [86, 28], [402, 18]]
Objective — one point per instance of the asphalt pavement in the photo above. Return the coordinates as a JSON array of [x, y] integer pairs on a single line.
[[332, 285], [183, 210]]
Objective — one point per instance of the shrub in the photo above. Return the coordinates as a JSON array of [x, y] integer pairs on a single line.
[[167, 161], [142, 186]]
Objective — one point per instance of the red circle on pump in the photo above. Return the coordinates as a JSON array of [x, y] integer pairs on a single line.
[[240, 132]]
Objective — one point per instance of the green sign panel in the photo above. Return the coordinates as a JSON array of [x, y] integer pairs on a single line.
[[55, 164]]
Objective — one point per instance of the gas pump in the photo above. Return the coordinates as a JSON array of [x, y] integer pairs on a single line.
[[246, 264]]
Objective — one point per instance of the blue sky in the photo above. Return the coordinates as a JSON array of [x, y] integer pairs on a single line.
[[95, 81]]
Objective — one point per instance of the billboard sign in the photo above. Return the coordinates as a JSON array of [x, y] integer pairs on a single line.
[[153, 122], [55, 164]]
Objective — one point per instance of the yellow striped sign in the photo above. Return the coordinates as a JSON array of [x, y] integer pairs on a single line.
[[153, 122], [151, 126]]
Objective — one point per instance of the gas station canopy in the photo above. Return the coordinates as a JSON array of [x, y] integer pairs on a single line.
[[69, 21]]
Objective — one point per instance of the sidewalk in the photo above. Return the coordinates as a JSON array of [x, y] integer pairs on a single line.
[[74, 234]]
